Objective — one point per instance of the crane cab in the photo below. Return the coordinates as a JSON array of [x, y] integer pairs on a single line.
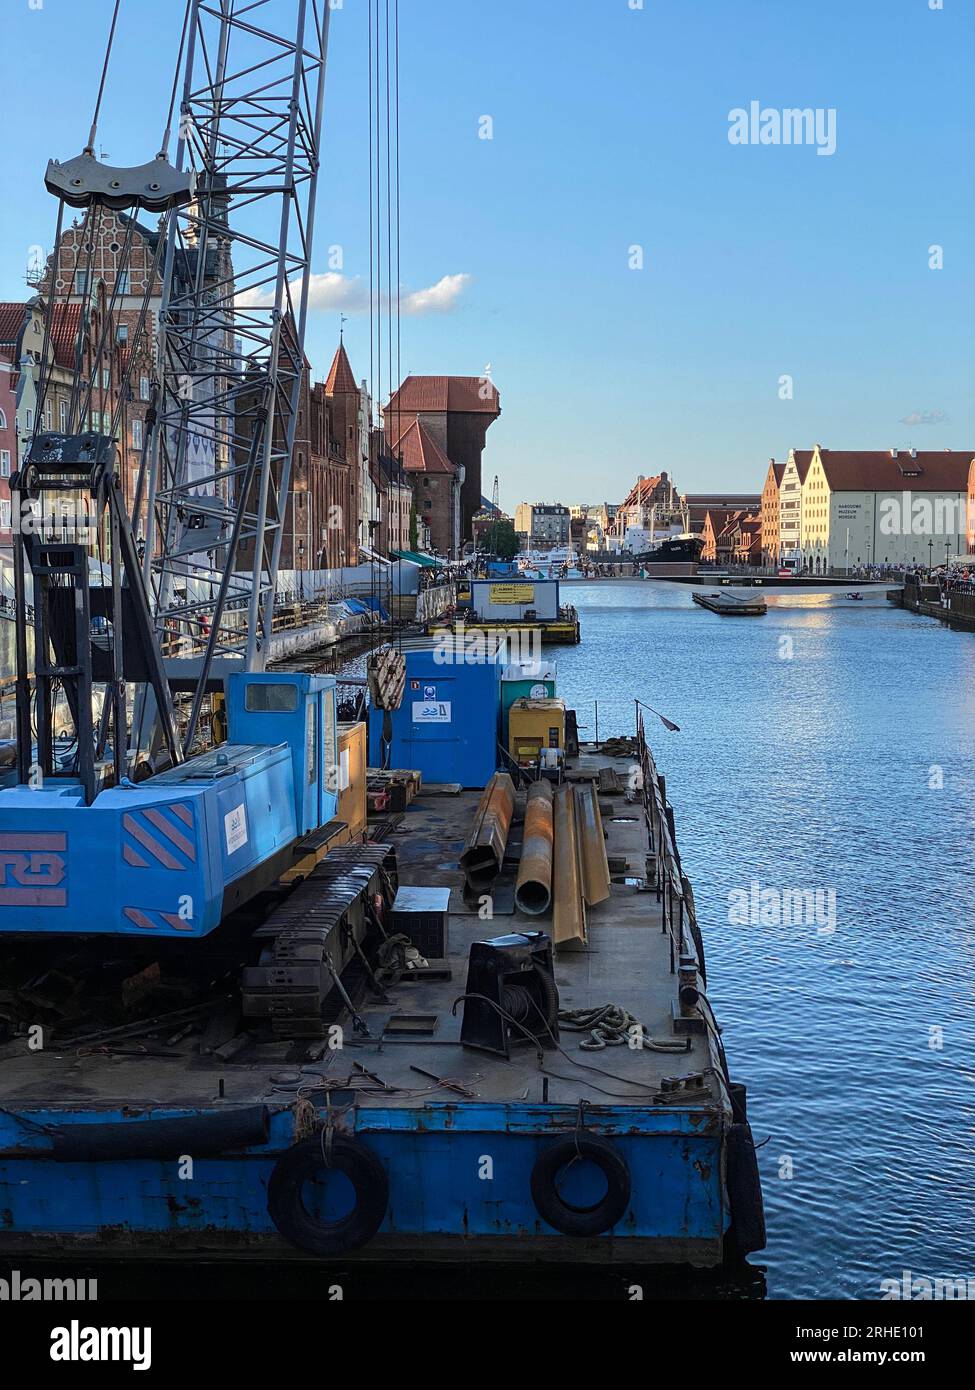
[[298, 709]]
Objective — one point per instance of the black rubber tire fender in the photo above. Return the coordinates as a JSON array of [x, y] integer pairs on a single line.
[[550, 1205], [747, 1231], [302, 1161]]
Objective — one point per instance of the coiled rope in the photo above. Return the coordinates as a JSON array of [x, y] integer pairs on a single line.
[[613, 1026]]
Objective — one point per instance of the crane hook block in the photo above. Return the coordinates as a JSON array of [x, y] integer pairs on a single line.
[[153, 187]]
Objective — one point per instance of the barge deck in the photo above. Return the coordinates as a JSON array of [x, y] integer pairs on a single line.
[[461, 1136]]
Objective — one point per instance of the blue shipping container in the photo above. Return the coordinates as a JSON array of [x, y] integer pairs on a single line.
[[448, 724]]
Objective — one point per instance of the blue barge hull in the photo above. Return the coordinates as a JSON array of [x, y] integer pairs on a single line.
[[677, 1212], [459, 1141]]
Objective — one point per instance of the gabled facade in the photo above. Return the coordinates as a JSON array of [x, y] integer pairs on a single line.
[[456, 411], [884, 507], [769, 512], [394, 494], [790, 503], [345, 451], [717, 532], [746, 540], [728, 538], [436, 487], [646, 499]]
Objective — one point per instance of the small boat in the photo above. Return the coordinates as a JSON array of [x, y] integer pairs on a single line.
[[855, 596]]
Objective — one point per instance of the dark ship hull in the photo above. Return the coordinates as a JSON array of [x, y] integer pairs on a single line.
[[674, 550]]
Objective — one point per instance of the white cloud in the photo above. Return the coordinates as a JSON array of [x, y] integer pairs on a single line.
[[332, 291], [925, 417], [438, 299]]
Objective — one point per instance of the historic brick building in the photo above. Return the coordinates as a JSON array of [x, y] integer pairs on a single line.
[[337, 450], [321, 522], [84, 379], [770, 511], [698, 504], [646, 498], [457, 412], [113, 273], [13, 320], [394, 493], [746, 540], [718, 533], [437, 492]]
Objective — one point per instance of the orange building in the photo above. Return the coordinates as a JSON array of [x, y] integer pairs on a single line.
[[769, 512]]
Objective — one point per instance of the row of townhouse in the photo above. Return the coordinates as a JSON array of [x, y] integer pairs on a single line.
[[830, 510]]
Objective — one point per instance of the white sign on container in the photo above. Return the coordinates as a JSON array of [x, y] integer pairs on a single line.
[[431, 711]]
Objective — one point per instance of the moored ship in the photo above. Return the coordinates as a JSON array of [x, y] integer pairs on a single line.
[[684, 549]]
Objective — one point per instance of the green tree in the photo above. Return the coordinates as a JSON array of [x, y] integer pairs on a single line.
[[502, 539]]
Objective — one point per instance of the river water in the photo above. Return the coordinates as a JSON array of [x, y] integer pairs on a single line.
[[828, 746]]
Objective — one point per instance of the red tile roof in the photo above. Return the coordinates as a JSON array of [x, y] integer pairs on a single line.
[[436, 394], [876, 471], [66, 322], [722, 518], [421, 452], [12, 316], [341, 379], [641, 489]]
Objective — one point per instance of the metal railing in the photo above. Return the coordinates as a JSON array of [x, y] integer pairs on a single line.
[[673, 891]]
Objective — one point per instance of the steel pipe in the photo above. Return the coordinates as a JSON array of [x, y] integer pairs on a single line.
[[484, 854], [569, 913], [592, 846], [533, 889]]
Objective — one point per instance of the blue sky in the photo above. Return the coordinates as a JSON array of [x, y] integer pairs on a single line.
[[611, 130]]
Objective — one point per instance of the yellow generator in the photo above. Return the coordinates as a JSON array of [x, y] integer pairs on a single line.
[[535, 726]]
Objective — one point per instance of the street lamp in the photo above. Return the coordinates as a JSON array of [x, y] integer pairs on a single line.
[[930, 556]]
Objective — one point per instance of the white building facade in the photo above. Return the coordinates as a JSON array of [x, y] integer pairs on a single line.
[[896, 507]]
